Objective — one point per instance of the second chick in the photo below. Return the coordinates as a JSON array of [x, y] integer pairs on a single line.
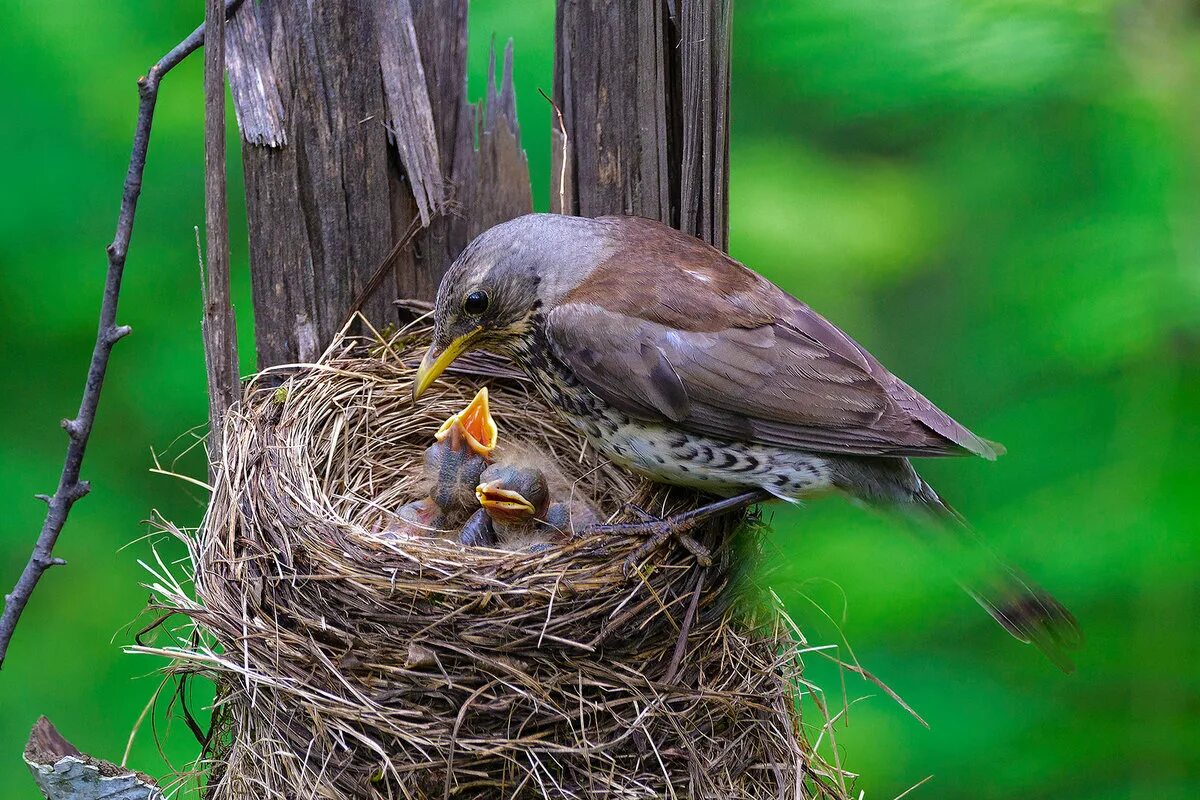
[[515, 500]]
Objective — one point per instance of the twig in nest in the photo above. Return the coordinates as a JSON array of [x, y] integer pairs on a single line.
[[79, 428]]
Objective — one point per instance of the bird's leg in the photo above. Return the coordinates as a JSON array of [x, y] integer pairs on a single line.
[[678, 525], [642, 514]]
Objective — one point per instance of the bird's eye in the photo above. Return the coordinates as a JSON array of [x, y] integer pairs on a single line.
[[476, 302]]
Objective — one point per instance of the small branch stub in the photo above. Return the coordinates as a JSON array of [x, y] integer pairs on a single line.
[[64, 773]]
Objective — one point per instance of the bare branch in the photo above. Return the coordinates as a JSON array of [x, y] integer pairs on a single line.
[[70, 487]]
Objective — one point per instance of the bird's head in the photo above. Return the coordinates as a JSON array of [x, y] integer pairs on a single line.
[[513, 494], [492, 297]]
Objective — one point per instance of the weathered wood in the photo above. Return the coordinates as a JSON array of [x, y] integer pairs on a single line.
[[372, 131], [374, 136], [320, 204], [489, 183], [63, 773], [257, 104], [218, 324], [611, 82], [410, 115], [493, 179], [441, 27], [643, 88], [704, 32]]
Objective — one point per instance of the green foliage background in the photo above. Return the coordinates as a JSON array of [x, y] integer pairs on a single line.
[[999, 197]]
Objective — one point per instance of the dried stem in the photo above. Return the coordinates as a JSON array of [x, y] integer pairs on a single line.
[[79, 428], [219, 326]]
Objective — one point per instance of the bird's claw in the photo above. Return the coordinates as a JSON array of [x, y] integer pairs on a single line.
[[657, 532], [678, 527], [665, 530], [642, 514]]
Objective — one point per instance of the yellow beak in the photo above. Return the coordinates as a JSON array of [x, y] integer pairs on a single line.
[[435, 363], [503, 502]]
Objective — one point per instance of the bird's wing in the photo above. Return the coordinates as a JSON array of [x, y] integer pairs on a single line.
[[794, 381]]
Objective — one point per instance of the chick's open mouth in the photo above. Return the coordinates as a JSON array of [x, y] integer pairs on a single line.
[[501, 502], [475, 423]]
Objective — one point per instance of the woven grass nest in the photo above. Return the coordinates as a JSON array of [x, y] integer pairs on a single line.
[[348, 665]]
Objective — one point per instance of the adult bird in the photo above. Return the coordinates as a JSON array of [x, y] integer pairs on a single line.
[[682, 364]]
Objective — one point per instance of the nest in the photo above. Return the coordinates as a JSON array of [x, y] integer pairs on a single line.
[[348, 665]]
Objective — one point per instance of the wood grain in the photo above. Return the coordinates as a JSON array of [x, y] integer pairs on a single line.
[[376, 134], [643, 88], [218, 323]]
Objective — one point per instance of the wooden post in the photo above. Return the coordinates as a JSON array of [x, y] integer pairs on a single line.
[[356, 131], [218, 323], [643, 93]]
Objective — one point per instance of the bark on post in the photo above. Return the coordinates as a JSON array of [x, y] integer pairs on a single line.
[[218, 324], [643, 94], [355, 131]]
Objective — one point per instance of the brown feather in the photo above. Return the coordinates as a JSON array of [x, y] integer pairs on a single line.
[[707, 294], [718, 350]]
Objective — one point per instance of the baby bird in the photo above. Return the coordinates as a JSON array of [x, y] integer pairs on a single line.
[[456, 461], [453, 465], [516, 500], [420, 514], [478, 531], [475, 423], [413, 519], [569, 517]]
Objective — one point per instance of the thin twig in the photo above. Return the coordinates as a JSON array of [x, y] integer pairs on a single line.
[[564, 153], [381, 271], [219, 326], [685, 628], [79, 428]]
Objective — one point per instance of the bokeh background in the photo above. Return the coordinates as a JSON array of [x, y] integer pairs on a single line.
[[1001, 198]]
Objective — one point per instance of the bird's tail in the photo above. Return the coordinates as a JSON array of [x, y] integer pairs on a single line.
[[1020, 606]]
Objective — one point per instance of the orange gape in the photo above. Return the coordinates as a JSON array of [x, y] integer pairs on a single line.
[[475, 424]]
